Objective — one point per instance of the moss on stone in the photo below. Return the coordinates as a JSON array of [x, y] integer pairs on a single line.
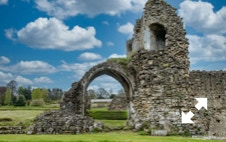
[[122, 61]]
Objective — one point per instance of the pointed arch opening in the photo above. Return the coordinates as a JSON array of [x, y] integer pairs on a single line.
[[114, 72]]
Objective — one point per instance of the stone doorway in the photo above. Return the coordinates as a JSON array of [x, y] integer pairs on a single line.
[[119, 77], [102, 90]]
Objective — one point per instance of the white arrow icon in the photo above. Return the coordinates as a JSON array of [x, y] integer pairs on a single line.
[[202, 102], [186, 118]]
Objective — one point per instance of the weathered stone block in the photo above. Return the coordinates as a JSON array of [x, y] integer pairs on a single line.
[[159, 132]]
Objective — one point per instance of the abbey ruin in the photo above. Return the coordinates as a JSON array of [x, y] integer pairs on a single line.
[[157, 81]]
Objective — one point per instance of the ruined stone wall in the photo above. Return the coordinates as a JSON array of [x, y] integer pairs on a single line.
[[163, 85], [211, 85], [119, 103], [61, 122], [157, 81], [161, 73], [160, 92], [73, 99], [164, 89], [160, 13], [12, 130]]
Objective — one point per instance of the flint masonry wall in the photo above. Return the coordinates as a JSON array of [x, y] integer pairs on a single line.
[[163, 85], [161, 67], [160, 92], [119, 103], [211, 85]]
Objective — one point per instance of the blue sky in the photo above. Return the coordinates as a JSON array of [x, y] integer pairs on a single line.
[[52, 43]]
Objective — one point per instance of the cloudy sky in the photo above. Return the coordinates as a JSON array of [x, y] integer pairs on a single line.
[[52, 43]]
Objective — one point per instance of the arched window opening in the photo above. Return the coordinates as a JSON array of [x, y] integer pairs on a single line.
[[102, 91], [158, 36]]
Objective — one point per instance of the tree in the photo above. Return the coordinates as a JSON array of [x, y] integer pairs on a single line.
[[55, 94], [92, 94], [39, 96], [36, 94], [13, 87], [26, 92], [45, 93], [8, 97], [112, 96], [2, 95], [102, 93], [21, 101], [14, 99]]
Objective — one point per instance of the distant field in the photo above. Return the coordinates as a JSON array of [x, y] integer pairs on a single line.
[[118, 136], [19, 117], [46, 107]]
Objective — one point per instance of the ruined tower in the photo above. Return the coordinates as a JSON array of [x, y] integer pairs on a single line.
[[159, 29], [159, 52]]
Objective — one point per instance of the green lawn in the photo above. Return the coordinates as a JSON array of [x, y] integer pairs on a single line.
[[113, 123], [46, 107], [98, 137], [19, 117], [22, 116]]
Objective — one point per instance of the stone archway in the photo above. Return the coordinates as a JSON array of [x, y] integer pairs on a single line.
[[112, 69], [76, 99]]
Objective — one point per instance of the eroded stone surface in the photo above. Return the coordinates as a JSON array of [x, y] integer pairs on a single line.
[[119, 103], [61, 122]]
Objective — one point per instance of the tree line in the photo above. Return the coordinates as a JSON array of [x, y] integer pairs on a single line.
[[102, 93], [12, 95]]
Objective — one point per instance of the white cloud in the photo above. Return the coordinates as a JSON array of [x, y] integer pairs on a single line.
[[5, 78], [87, 56], [63, 9], [43, 79], [106, 82], [126, 29], [23, 81], [105, 23], [109, 43], [52, 33], [3, 2], [117, 56], [30, 67], [10, 34], [78, 68], [209, 48], [200, 16], [4, 60]]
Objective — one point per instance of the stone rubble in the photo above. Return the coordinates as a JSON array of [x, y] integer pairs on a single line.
[[12, 130]]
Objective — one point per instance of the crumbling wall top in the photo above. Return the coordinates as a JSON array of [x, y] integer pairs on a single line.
[[160, 28]]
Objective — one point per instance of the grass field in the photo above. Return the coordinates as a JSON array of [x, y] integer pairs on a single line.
[[118, 136], [22, 116], [19, 117], [46, 107]]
